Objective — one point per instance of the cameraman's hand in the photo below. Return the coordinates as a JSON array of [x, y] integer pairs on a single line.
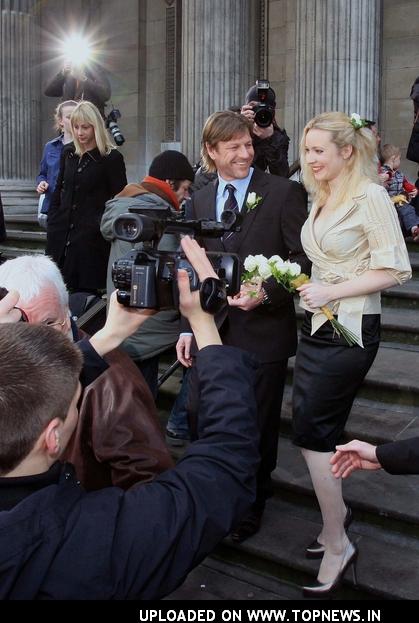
[[8, 312], [67, 67], [201, 322], [247, 111], [183, 350], [263, 133], [121, 322]]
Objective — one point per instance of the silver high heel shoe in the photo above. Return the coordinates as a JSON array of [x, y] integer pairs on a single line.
[[320, 590], [316, 549]]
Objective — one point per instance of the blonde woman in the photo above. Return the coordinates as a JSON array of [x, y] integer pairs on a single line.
[[353, 238], [91, 172]]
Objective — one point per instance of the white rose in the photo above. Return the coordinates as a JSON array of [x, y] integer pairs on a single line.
[[281, 266], [250, 263], [275, 258], [260, 259], [265, 270], [251, 199], [294, 269]]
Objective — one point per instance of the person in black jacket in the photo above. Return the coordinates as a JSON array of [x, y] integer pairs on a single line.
[[59, 542], [271, 143], [396, 457], [91, 172], [76, 82]]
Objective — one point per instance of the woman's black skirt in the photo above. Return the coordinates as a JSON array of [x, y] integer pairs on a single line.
[[327, 376]]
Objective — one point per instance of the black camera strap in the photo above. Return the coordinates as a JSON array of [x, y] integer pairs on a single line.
[[212, 295]]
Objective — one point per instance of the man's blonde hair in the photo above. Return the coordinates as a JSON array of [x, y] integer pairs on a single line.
[[221, 127], [86, 112], [361, 166]]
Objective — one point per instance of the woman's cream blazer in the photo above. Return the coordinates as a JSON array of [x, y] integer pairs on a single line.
[[361, 234]]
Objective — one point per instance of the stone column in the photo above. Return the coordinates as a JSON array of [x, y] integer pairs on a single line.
[[19, 92], [219, 58], [337, 58]]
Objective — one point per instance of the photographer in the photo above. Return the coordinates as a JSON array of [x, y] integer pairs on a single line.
[[59, 542], [270, 142], [81, 82]]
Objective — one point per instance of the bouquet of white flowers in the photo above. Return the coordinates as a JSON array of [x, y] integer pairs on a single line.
[[259, 268]]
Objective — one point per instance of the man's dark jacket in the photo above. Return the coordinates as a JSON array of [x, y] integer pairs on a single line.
[[400, 457], [96, 88], [62, 543], [272, 228]]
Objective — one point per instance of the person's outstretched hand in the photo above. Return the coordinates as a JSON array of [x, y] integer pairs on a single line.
[[201, 322], [352, 456], [8, 311], [121, 322]]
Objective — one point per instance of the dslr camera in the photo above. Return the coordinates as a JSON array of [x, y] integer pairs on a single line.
[[265, 107], [113, 127], [147, 277]]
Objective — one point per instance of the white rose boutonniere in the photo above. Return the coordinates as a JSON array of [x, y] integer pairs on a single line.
[[252, 202]]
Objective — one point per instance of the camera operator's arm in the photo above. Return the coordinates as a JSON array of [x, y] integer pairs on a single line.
[[201, 322], [121, 322], [8, 312], [96, 81], [55, 87]]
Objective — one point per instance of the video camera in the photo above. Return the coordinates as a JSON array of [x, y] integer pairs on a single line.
[[111, 123], [265, 108], [147, 277]]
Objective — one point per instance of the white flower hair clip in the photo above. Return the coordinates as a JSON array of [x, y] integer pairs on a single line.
[[357, 121]]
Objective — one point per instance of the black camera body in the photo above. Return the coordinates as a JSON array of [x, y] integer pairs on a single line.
[[113, 127], [147, 278], [264, 110]]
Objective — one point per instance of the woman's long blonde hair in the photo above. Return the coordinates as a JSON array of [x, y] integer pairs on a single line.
[[86, 112], [361, 166]]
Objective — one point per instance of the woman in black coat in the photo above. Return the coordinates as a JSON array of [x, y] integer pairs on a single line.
[[91, 172]]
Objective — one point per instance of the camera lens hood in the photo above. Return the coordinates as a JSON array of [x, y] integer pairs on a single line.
[[212, 295]]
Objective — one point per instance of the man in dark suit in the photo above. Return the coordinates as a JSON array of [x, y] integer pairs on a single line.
[[396, 457], [272, 210]]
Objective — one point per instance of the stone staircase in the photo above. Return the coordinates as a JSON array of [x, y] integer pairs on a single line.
[[271, 565]]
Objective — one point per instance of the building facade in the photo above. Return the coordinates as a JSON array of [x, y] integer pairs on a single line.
[[173, 62]]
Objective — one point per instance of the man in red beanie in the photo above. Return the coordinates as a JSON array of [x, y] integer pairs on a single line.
[[166, 185]]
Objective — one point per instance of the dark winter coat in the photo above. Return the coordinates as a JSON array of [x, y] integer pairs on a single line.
[[74, 240], [58, 542], [96, 88]]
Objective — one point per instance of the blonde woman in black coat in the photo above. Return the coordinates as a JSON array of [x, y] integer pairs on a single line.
[[91, 172]]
